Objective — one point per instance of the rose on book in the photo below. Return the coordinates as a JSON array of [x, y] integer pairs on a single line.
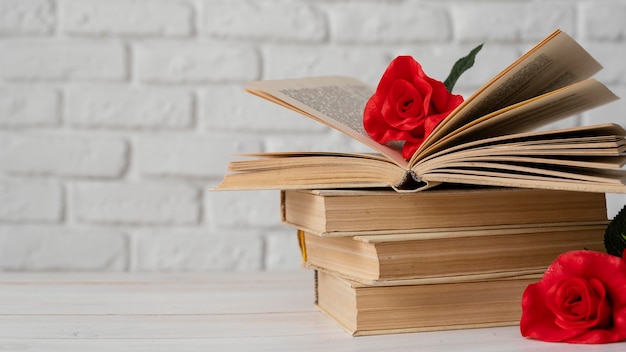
[[580, 299], [408, 104]]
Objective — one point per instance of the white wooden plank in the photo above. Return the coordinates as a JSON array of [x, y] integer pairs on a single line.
[[484, 340], [62, 278], [166, 326], [157, 300], [201, 297]]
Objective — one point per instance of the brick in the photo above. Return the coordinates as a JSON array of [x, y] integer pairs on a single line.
[[30, 201], [28, 106], [282, 251], [510, 21], [26, 17], [62, 59], [146, 203], [197, 250], [127, 17], [62, 155], [364, 63], [230, 108], [55, 248], [160, 62], [123, 107], [245, 209], [267, 20], [201, 156], [388, 22], [603, 20]]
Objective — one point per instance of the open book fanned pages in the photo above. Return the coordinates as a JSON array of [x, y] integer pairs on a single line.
[[493, 138]]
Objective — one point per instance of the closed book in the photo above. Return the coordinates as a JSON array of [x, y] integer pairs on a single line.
[[434, 304], [350, 212], [377, 259]]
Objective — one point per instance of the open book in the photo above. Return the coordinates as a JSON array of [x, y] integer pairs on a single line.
[[490, 139]]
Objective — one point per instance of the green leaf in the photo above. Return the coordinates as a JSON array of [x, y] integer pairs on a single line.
[[462, 65]]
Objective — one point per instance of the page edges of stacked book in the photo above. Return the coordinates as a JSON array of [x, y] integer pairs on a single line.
[[363, 310]]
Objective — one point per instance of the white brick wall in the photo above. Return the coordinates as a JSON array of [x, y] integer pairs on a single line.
[[19, 17], [126, 107], [29, 106], [116, 116], [62, 154], [62, 59], [126, 17]]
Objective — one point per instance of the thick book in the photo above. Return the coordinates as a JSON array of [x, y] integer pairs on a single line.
[[359, 212], [490, 252], [492, 138], [433, 304]]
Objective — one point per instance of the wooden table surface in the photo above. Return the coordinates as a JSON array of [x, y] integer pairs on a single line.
[[205, 312]]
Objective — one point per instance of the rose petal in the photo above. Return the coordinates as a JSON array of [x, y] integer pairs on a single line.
[[579, 303], [410, 147], [401, 93], [402, 67], [538, 321]]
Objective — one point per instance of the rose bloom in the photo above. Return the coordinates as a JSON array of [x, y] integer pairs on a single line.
[[580, 299], [407, 105]]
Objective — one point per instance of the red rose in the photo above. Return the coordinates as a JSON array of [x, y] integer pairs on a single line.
[[407, 105], [580, 299]]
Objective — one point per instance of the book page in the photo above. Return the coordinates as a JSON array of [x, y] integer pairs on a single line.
[[595, 162], [311, 171], [335, 101], [556, 62], [531, 114], [606, 182], [513, 143], [585, 158]]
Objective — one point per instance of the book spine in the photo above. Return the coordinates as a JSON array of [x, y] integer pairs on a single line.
[[410, 182]]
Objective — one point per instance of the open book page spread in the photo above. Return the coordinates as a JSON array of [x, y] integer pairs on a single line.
[[335, 101], [490, 139]]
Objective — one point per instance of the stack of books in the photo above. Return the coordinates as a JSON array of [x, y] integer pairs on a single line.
[[422, 244], [449, 258]]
